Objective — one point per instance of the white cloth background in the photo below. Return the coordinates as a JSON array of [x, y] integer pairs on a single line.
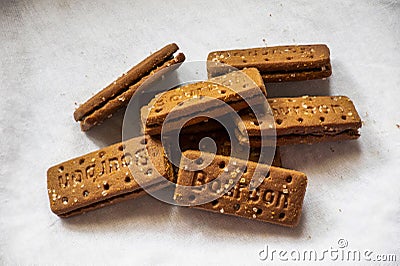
[[58, 53]]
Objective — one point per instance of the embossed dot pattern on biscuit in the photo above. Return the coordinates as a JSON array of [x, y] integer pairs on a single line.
[[276, 63]]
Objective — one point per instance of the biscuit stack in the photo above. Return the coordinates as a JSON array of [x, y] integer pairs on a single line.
[[236, 79]]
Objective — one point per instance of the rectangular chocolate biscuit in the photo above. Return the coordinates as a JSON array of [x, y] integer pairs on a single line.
[[309, 119], [275, 63], [190, 101], [117, 95], [102, 177], [278, 199]]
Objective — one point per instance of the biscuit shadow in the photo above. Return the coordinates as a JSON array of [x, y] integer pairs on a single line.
[[132, 214], [217, 226], [127, 215], [299, 88], [335, 154]]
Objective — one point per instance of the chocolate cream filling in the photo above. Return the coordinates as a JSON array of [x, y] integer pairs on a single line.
[[324, 68], [149, 73]]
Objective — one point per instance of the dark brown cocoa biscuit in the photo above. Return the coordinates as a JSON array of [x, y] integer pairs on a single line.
[[308, 120], [278, 199], [278, 63], [308, 139], [127, 79], [103, 177], [114, 104], [191, 100]]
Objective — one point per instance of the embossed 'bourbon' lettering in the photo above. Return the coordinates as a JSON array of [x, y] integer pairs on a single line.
[[77, 176], [269, 197], [311, 109], [296, 109], [77, 185], [193, 92], [236, 191], [278, 199], [337, 108], [275, 199], [199, 179], [126, 159], [286, 202], [114, 164], [90, 170], [280, 204], [214, 186], [103, 168], [63, 181], [324, 109], [141, 158], [281, 111], [175, 98], [255, 195], [160, 102], [284, 110]]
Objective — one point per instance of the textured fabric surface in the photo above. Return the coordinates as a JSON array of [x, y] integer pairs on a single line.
[[55, 54]]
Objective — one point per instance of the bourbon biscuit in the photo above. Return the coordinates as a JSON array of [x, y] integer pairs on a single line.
[[97, 108], [278, 199], [276, 63], [113, 105], [191, 102], [103, 177], [308, 119]]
